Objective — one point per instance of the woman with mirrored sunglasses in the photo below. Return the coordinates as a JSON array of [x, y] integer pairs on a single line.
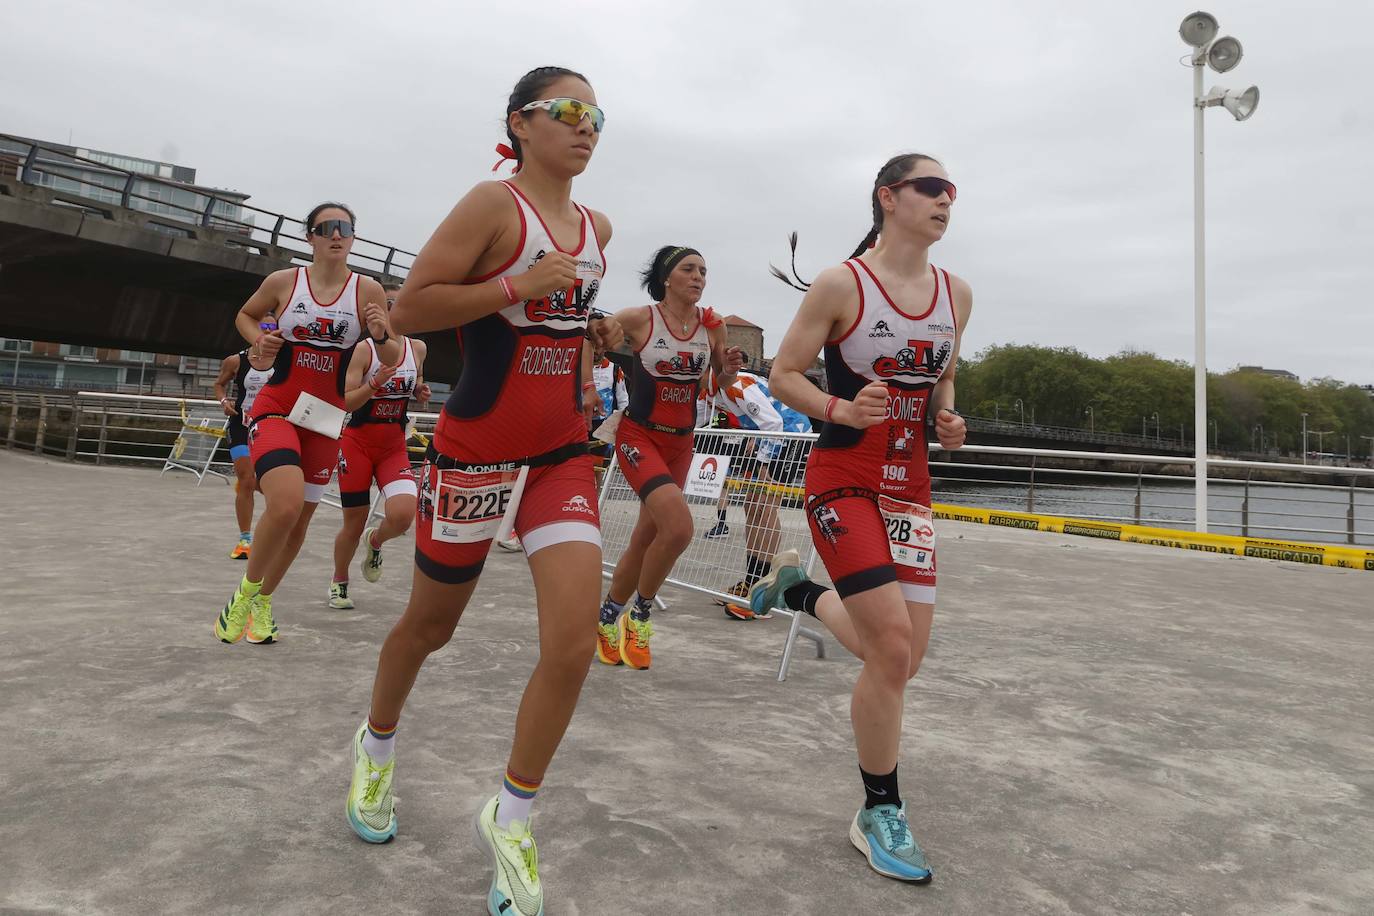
[[890, 324], [515, 268], [305, 321]]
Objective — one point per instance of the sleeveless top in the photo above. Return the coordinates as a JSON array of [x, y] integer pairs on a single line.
[[519, 393], [909, 352], [319, 339], [247, 383], [389, 404], [667, 374]]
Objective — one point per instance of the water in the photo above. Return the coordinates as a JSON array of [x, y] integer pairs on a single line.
[[1276, 511]]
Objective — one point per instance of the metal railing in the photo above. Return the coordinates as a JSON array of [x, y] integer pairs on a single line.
[[1332, 505], [37, 159]]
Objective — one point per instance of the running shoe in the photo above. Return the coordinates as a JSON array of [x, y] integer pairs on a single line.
[[511, 543], [261, 628], [882, 834], [515, 887], [634, 641], [737, 612], [230, 623], [338, 596], [721, 530], [608, 643], [739, 590], [371, 808], [767, 592], [372, 557], [240, 551]]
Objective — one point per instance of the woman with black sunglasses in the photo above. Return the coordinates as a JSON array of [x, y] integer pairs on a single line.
[[306, 321], [514, 268], [890, 324]]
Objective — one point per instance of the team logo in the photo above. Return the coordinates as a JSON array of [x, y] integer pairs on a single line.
[[710, 469], [682, 363], [828, 522], [880, 329], [343, 463], [323, 474], [322, 328], [299, 309], [661, 343], [578, 504], [631, 454], [918, 357], [558, 306]]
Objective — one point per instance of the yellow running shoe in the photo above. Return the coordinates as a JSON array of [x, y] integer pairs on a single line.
[[240, 551], [634, 641], [515, 888], [261, 628], [372, 557], [371, 807], [231, 621]]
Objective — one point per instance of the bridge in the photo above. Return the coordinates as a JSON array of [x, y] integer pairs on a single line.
[[97, 255]]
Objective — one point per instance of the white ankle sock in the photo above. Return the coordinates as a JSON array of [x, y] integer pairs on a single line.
[[512, 807], [381, 750]]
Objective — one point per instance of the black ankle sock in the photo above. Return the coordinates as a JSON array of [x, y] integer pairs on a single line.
[[755, 569], [880, 790], [720, 516], [803, 596], [641, 607]]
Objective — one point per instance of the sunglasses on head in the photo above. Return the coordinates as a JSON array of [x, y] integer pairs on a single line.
[[325, 228], [928, 186], [570, 111]]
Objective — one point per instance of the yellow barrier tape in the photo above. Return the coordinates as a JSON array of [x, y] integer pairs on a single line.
[[1290, 551], [744, 483], [204, 428]]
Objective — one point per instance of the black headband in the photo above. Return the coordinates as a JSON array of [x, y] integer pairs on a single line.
[[675, 258]]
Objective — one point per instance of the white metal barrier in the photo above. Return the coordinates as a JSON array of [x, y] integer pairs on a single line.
[[194, 448], [762, 504]]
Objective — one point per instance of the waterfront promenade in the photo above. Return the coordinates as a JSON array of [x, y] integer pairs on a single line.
[[1099, 728]]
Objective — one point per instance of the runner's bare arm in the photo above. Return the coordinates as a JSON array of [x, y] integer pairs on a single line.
[[356, 391], [227, 367], [422, 390], [376, 318], [273, 293], [950, 428], [726, 361], [635, 322]]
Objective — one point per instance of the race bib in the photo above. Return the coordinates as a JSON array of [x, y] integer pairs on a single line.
[[309, 412], [910, 532], [469, 505]]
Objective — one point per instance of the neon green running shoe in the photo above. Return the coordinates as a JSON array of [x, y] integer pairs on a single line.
[[515, 888], [371, 807], [231, 621], [261, 628], [372, 557]]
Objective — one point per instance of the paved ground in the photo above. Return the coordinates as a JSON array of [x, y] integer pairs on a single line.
[[1100, 728]]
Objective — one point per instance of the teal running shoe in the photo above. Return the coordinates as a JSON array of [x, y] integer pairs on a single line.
[[882, 834], [767, 592]]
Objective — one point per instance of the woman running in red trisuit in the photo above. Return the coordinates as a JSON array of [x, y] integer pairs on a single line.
[[675, 343], [890, 324], [514, 267], [319, 313], [373, 447]]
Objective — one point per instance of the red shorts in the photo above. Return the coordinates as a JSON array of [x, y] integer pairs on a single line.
[[373, 451], [459, 511], [649, 459], [864, 546], [275, 442]]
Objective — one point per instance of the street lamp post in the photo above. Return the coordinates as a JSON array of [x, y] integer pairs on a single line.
[[1089, 411], [1304, 438], [1216, 435], [1371, 449], [1021, 409], [1222, 54], [1319, 433], [1155, 417], [1259, 427]]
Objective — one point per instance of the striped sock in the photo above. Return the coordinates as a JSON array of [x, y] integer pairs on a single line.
[[246, 536], [517, 797], [379, 741]]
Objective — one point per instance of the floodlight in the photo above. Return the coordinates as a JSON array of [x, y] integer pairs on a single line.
[[1198, 29], [1224, 54], [1241, 104]]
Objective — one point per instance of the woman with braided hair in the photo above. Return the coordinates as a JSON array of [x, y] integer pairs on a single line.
[[675, 342], [514, 268], [890, 324]]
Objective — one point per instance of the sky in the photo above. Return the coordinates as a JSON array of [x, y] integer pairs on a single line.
[[1067, 127]]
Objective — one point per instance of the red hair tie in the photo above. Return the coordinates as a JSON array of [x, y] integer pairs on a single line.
[[709, 319], [505, 152]]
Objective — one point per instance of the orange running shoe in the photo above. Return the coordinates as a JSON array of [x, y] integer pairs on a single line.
[[608, 643], [634, 641], [240, 551]]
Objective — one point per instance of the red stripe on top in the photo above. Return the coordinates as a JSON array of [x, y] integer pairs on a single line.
[[935, 297], [857, 318], [596, 236], [650, 336], [953, 312], [347, 280], [669, 324], [582, 229], [519, 245]]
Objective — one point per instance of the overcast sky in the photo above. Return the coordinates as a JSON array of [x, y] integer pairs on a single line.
[[1066, 126]]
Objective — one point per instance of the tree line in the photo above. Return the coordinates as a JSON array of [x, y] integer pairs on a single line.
[[1135, 392]]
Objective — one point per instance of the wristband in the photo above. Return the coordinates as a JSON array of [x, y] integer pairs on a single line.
[[830, 407], [386, 335], [589, 386], [508, 290]]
